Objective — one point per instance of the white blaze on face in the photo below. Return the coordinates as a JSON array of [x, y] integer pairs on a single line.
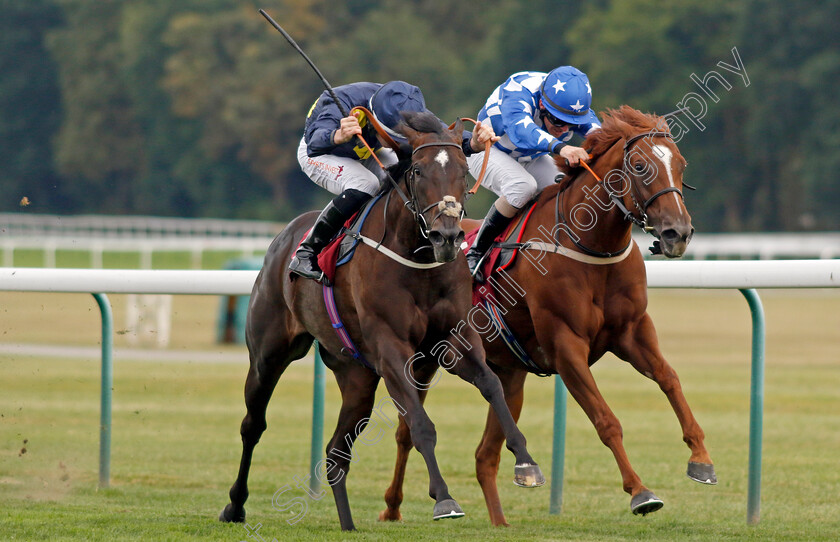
[[664, 154], [442, 158]]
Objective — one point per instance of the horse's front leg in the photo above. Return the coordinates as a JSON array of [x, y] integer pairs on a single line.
[[641, 349], [473, 368], [570, 353], [395, 355], [394, 494]]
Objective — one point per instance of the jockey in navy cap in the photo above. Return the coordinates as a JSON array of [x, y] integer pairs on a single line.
[[535, 114], [331, 155]]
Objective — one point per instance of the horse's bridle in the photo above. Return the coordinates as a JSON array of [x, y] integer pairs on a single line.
[[411, 203], [642, 219]]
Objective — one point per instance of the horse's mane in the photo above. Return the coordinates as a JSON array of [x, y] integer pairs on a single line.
[[615, 127]]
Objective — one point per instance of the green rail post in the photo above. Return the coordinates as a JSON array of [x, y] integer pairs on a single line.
[[319, 385], [107, 385], [559, 446], [756, 406]]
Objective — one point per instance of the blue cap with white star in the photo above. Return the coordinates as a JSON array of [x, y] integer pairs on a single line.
[[566, 94]]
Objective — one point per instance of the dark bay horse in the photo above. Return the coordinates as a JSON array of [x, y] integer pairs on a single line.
[[585, 294], [391, 310]]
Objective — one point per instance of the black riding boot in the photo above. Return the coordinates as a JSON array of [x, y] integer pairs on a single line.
[[329, 222], [493, 225]]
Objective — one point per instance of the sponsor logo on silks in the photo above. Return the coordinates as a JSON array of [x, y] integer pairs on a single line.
[[335, 170]]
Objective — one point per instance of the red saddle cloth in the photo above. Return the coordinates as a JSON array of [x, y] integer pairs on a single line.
[[493, 261], [490, 263], [328, 257]]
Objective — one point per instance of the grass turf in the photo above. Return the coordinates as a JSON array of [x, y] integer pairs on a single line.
[[176, 446]]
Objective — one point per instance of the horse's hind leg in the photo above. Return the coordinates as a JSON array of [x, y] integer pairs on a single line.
[[394, 493], [488, 453], [263, 375], [642, 352], [358, 391]]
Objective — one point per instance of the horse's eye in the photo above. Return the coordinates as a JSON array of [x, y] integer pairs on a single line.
[[640, 167], [416, 170]]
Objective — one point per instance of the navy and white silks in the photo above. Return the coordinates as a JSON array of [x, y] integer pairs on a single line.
[[520, 163]]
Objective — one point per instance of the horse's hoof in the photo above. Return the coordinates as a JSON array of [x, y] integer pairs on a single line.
[[447, 509], [528, 476], [702, 472], [228, 515], [390, 515], [645, 502]]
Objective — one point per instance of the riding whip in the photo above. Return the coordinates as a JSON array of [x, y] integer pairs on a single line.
[[312, 64]]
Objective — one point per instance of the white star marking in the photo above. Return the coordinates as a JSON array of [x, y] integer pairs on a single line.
[[442, 158], [558, 86], [664, 154], [526, 121], [526, 107], [544, 135], [588, 89], [577, 106]]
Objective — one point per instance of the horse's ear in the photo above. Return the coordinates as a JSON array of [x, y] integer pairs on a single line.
[[458, 128], [410, 133], [662, 124]]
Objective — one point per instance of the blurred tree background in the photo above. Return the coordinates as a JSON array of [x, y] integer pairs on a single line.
[[194, 108]]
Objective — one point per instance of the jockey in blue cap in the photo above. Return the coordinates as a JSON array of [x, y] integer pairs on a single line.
[[333, 158], [535, 114]]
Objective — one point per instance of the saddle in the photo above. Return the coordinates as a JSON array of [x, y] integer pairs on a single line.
[[501, 254], [340, 250]]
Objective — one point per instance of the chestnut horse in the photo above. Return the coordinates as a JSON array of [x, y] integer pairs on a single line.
[[392, 303], [585, 294]]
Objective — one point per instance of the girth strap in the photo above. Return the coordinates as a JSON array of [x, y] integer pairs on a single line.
[[348, 347]]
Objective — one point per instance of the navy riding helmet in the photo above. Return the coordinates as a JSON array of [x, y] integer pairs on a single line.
[[391, 98]]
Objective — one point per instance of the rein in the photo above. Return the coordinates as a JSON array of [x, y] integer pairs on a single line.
[[487, 145]]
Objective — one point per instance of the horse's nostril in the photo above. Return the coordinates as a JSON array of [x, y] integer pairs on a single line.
[[459, 238], [670, 236], [436, 238]]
